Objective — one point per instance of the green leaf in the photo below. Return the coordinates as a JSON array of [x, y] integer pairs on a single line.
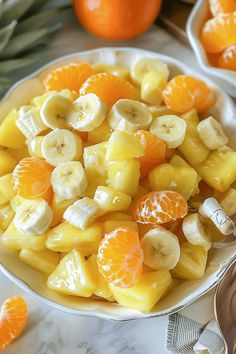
[[4, 84], [15, 64], [14, 10], [6, 33], [36, 21], [1, 6]]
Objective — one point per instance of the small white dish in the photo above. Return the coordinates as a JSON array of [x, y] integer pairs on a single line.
[[224, 78], [34, 282]]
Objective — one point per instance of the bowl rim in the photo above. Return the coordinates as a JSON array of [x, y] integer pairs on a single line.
[[23, 285]]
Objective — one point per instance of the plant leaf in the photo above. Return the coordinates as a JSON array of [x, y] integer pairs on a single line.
[[14, 10], [36, 21], [6, 33], [1, 6], [4, 84], [15, 64]]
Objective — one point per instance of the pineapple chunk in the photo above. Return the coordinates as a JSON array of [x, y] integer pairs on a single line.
[[72, 276], [191, 116], [6, 216], [183, 180], [70, 94], [124, 176], [35, 147], [65, 237], [59, 206], [101, 285], [110, 225], [6, 190], [109, 199], [192, 262], [7, 162], [39, 100], [212, 230], [16, 240], [123, 145], [19, 154], [120, 71], [153, 83], [219, 169], [227, 201], [10, 135], [158, 111], [117, 216], [16, 201], [143, 296], [45, 261], [100, 134]]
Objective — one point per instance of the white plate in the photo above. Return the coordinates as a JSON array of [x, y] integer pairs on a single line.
[[225, 78], [34, 282]]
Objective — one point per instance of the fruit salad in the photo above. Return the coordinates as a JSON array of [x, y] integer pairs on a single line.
[[101, 178]]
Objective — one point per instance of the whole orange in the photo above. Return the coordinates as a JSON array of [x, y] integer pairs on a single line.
[[117, 19]]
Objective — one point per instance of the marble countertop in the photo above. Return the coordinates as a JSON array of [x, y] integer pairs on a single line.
[[52, 332]]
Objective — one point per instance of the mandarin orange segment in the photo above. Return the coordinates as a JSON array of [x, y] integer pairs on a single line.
[[31, 178], [185, 92], [160, 207], [120, 257], [155, 150], [109, 88], [219, 33], [70, 77], [222, 6], [13, 317], [227, 59]]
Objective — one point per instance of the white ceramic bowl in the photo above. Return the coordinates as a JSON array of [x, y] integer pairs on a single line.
[[225, 78], [34, 282]]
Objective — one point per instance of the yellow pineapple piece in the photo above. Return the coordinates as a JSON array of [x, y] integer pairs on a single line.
[[64, 237], [35, 147], [19, 154], [7, 162], [158, 111], [45, 261], [117, 70], [101, 286], [191, 264], [227, 201], [110, 225], [191, 116], [39, 100], [219, 169], [110, 199], [143, 296], [212, 230], [117, 216], [72, 276], [16, 240], [10, 135], [6, 215], [124, 176], [70, 94], [153, 83], [59, 206], [100, 134], [16, 201], [123, 145], [183, 180], [6, 190]]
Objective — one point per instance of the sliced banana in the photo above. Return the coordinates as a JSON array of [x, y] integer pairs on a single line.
[[144, 65], [170, 128], [60, 146], [211, 133], [55, 110], [88, 113], [82, 213], [128, 115], [195, 232], [33, 217], [161, 248], [69, 180], [29, 122]]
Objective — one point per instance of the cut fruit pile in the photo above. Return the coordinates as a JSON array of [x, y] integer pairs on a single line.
[[218, 34], [96, 175]]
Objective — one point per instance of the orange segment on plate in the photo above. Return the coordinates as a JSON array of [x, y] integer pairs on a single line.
[[155, 150], [227, 59], [71, 77], [120, 257], [185, 92], [222, 6], [160, 207], [219, 33], [109, 88], [31, 177], [13, 317]]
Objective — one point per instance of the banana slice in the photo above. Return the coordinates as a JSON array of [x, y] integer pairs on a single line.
[[211, 133], [55, 110], [82, 213], [161, 248], [195, 232], [33, 217], [29, 122], [144, 65], [88, 113], [128, 115], [69, 180], [170, 128], [60, 146]]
